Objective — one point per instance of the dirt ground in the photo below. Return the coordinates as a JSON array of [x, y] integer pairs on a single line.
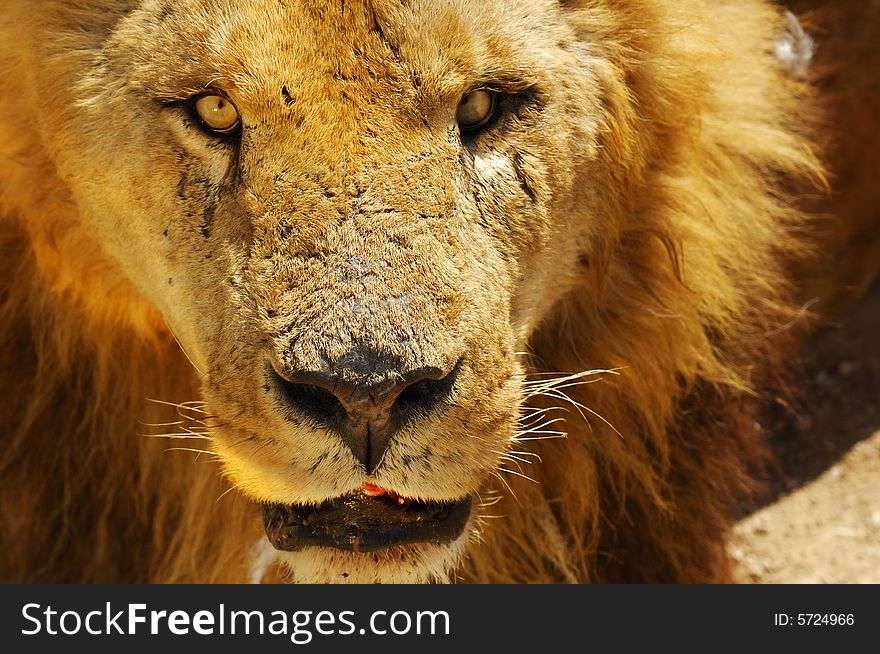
[[822, 522]]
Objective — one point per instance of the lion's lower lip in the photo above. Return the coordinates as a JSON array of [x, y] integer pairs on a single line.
[[360, 523]]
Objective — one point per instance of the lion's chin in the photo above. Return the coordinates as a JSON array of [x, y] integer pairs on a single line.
[[410, 564], [365, 521], [371, 536]]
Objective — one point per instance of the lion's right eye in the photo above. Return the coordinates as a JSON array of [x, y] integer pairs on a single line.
[[217, 114]]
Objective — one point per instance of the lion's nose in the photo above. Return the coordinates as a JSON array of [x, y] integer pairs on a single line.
[[366, 398]]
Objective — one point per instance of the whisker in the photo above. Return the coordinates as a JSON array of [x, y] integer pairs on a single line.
[[184, 429], [574, 384], [537, 457], [507, 456], [563, 378], [541, 438], [498, 476], [518, 474], [229, 490], [179, 436], [492, 498], [560, 381], [189, 449], [204, 421], [541, 429], [583, 407], [537, 409], [190, 406], [546, 423], [580, 408], [547, 432], [537, 413], [161, 424]]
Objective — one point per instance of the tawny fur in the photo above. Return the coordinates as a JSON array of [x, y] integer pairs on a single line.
[[643, 223]]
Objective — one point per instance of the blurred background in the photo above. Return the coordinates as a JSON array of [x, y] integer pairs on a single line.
[[819, 519]]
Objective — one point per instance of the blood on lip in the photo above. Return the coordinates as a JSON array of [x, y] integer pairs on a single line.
[[371, 490]]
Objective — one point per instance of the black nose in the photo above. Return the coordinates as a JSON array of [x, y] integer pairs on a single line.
[[366, 398]]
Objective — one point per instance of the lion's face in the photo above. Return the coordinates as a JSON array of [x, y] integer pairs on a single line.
[[353, 269]]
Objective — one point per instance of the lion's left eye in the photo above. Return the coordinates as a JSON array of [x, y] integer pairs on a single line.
[[217, 114], [476, 110]]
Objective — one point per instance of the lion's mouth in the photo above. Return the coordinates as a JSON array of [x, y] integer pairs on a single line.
[[369, 520]]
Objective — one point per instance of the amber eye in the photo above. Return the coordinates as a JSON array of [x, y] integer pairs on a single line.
[[476, 110], [217, 114]]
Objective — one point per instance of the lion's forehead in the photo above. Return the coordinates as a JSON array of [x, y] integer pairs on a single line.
[[308, 52]]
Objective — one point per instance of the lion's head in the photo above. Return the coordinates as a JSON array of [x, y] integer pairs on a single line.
[[352, 216], [359, 219]]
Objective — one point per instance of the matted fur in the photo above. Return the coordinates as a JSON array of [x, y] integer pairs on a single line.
[[657, 251]]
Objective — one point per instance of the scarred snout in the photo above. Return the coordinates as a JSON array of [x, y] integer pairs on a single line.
[[376, 320]]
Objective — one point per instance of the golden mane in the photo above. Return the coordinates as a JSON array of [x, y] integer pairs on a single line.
[[696, 263], [706, 145]]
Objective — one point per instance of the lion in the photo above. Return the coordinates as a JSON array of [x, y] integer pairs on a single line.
[[380, 291]]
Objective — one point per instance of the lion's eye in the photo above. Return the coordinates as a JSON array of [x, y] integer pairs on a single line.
[[476, 110], [217, 114]]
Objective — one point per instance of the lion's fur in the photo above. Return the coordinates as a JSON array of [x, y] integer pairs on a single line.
[[680, 291]]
